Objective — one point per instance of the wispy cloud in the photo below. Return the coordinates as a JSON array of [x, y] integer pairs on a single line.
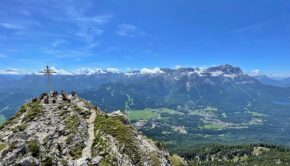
[[58, 42], [86, 27], [11, 71], [129, 30], [61, 71], [60, 29], [10, 26], [67, 53], [89, 28], [84, 30], [19, 24], [86, 71], [255, 72]]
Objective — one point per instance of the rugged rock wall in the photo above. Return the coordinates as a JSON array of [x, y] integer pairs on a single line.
[[60, 129]]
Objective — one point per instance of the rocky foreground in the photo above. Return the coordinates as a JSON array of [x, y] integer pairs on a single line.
[[61, 129]]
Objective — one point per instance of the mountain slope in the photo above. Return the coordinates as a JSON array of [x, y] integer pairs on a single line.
[[224, 87], [270, 81], [188, 106], [180, 106], [60, 129]]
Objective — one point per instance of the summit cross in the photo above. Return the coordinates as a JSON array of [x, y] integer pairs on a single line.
[[48, 72]]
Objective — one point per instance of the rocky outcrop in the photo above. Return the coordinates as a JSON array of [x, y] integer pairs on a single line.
[[61, 129]]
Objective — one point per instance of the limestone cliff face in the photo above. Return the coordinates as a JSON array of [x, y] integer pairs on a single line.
[[60, 129]]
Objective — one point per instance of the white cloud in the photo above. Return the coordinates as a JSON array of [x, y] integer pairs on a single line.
[[204, 67], [93, 45], [129, 30], [80, 71], [278, 76], [151, 71], [58, 42], [90, 71], [67, 53], [125, 29], [19, 25], [12, 71], [61, 71], [88, 27], [10, 26], [255, 72], [87, 71], [80, 27], [85, 30], [113, 70]]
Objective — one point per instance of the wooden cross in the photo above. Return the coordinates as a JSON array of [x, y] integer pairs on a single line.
[[48, 72]]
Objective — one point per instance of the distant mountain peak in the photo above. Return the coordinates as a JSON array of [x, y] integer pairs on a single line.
[[227, 69], [212, 71], [267, 80]]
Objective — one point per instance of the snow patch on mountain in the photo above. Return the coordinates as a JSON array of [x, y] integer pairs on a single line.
[[216, 73], [200, 72], [151, 71]]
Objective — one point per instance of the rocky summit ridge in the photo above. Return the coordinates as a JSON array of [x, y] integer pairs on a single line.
[[63, 129]]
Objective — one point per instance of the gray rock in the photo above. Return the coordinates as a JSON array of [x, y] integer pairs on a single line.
[[96, 160], [27, 161], [82, 162]]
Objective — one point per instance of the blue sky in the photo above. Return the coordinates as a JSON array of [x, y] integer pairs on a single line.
[[130, 34]]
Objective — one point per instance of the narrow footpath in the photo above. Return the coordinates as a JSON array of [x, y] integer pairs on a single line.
[[87, 151]]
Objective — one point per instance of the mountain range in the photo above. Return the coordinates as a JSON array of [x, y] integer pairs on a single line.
[[182, 107], [285, 82]]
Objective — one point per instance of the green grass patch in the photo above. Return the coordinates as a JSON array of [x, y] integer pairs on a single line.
[[33, 110], [22, 110], [83, 112], [169, 111], [210, 127], [72, 123], [48, 161], [64, 162], [34, 148], [256, 114], [206, 110], [100, 145], [142, 114], [149, 113], [123, 133], [76, 151], [175, 160], [154, 158], [2, 146], [21, 127]]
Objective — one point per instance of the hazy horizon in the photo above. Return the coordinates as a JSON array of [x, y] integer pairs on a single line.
[[144, 70]]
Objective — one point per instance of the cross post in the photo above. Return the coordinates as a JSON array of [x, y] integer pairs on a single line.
[[48, 72]]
